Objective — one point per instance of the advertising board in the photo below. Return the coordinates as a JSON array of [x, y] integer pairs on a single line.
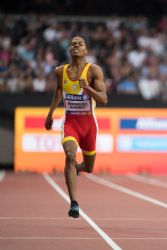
[[129, 140]]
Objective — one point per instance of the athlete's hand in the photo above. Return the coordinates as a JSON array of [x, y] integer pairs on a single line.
[[83, 83], [48, 122]]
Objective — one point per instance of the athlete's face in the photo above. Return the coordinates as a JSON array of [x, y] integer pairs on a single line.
[[78, 47]]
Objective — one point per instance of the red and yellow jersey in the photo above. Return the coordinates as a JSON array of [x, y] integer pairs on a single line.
[[77, 101]]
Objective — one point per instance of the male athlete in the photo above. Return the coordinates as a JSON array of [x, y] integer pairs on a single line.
[[81, 85]]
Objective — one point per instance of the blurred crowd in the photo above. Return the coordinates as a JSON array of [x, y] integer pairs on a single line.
[[132, 52]]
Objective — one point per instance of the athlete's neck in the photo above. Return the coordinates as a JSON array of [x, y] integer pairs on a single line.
[[78, 62]]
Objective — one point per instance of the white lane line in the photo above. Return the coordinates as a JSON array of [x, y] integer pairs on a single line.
[[131, 219], [125, 190], [2, 175], [47, 238], [109, 241], [147, 180], [35, 218], [79, 219], [139, 238], [75, 238]]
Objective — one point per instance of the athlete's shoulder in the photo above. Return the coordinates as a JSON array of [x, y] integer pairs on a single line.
[[59, 70], [95, 69]]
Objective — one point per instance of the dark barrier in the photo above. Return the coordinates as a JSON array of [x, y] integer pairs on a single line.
[[8, 103]]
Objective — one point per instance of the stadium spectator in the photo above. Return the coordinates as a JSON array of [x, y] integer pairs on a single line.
[[131, 51]]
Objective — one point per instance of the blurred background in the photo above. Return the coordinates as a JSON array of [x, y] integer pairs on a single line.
[[128, 39]]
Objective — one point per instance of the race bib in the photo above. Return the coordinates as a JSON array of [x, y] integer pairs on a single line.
[[77, 103]]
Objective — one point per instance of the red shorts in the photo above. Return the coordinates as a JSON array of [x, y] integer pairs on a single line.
[[83, 130]]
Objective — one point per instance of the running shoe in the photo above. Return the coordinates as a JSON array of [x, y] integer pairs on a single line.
[[74, 209]]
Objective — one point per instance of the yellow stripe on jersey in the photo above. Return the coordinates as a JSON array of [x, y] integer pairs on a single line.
[[89, 152], [69, 138]]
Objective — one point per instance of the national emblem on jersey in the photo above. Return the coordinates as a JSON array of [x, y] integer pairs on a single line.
[[74, 87], [76, 100]]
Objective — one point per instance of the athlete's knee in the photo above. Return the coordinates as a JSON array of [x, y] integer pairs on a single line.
[[70, 157]]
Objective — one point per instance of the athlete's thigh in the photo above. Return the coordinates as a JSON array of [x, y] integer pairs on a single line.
[[88, 141], [69, 133]]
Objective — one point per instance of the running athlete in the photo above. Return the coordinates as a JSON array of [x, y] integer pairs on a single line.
[[81, 85]]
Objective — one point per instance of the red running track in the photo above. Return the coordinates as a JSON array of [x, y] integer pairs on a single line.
[[132, 213]]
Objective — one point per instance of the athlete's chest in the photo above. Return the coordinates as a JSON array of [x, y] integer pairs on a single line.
[[74, 75], [71, 76], [79, 72]]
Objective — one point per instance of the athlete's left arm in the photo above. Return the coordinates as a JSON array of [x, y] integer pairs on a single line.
[[98, 91]]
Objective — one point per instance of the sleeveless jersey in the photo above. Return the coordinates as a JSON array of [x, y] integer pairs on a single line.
[[77, 101]]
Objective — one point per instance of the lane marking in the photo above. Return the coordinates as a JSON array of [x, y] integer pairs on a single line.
[[47, 238], [2, 175], [36, 218], [123, 238], [147, 180], [125, 190], [108, 240], [75, 238], [80, 219], [131, 219]]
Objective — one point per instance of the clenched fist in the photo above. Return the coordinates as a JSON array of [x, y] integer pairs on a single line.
[[83, 83], [48, 122]]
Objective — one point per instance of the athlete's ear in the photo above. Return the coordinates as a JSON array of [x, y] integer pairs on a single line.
[[86, 51]]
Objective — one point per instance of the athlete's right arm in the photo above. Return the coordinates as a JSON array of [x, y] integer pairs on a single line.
[[57, 97]]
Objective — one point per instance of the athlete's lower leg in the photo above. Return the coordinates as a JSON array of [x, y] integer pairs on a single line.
[[87, 165], [70, 175], [70, 149], [80, 167]]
